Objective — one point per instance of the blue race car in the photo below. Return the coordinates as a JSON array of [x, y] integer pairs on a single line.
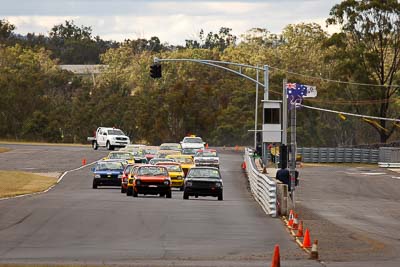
[[108, 173]]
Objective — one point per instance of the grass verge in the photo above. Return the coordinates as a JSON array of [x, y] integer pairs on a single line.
[[14, 183], [3, 149]]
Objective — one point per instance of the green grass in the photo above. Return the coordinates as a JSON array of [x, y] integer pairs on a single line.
[[14, 183]]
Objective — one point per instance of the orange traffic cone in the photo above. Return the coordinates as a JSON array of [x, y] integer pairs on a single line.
[[276, 259], [314, 250], [83, 162], [300, 230], [295, 225], [306, 240], [244, 165], [206, 145], [290, 222]]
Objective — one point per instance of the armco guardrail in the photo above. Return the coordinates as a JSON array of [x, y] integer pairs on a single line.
[[338, 155], [389, 157], [262, 187]]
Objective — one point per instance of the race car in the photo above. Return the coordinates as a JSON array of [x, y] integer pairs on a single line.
[[206, 157], [107, 173], [175, 172]]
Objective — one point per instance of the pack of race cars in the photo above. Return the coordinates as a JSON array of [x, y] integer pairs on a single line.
[[188, 166]]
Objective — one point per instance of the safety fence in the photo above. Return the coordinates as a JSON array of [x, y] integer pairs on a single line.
[[389, 157], [338, 155], [262, 187]]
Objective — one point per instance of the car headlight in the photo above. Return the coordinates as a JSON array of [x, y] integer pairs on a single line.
[[138, 182], [120, 176], [189, 183], [97, 176], [218, 184], [179, 177], [166, 182]]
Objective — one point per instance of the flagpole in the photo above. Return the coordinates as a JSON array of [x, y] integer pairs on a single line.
[[293, 150]]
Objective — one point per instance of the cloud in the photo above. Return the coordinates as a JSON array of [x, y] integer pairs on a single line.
[[171, 21]]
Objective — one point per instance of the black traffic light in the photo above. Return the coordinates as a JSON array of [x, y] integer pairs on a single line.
[[155, 71], [283, 156]]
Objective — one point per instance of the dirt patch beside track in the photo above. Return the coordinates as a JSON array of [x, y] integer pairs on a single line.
[[14, 183]]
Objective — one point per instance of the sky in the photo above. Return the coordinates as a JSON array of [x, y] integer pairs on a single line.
[[173, 21]]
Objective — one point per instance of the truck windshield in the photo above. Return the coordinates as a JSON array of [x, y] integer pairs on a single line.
[[115, 132]]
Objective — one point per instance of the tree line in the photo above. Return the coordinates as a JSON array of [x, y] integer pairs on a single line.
[[41, 102]]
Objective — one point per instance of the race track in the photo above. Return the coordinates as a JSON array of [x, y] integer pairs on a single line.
[[75, 224]]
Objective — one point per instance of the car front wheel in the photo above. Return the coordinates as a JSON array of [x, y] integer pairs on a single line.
[[109, 147], [220, 197], [94, 186], [169, 194], [129, 191], [185, 196], [95, 145]]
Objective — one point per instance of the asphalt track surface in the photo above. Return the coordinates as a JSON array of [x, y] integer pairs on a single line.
[[75, 224], [354, 212]]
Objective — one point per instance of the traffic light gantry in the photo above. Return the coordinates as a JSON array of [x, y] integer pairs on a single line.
[[155, 71]]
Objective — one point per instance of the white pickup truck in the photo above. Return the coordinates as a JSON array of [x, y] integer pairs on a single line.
[[109, 138]]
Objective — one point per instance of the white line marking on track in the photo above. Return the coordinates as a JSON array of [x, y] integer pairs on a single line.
[[372, 173], [51, 187]]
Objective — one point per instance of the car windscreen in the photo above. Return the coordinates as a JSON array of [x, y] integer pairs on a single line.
[[203, 173], [170, 147], [154, 161], [189, 150], [151, 151], [207, 154], [138, 153], [115, 132], [174, 168], [184, 160], [152, 171], [104, 166], [120, 156], [193, 140]]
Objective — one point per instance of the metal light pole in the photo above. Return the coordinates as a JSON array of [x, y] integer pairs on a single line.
[[256, 111], [266, 92], [284, 113]]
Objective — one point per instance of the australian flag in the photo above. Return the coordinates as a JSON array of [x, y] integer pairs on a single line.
[[298, 90]]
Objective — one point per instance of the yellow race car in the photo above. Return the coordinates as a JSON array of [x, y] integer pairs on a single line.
[[175, 172], [186, 161]]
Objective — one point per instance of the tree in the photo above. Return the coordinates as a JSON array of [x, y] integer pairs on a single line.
[[369, 49], [6, 30], [73, 44], [221, 40]]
